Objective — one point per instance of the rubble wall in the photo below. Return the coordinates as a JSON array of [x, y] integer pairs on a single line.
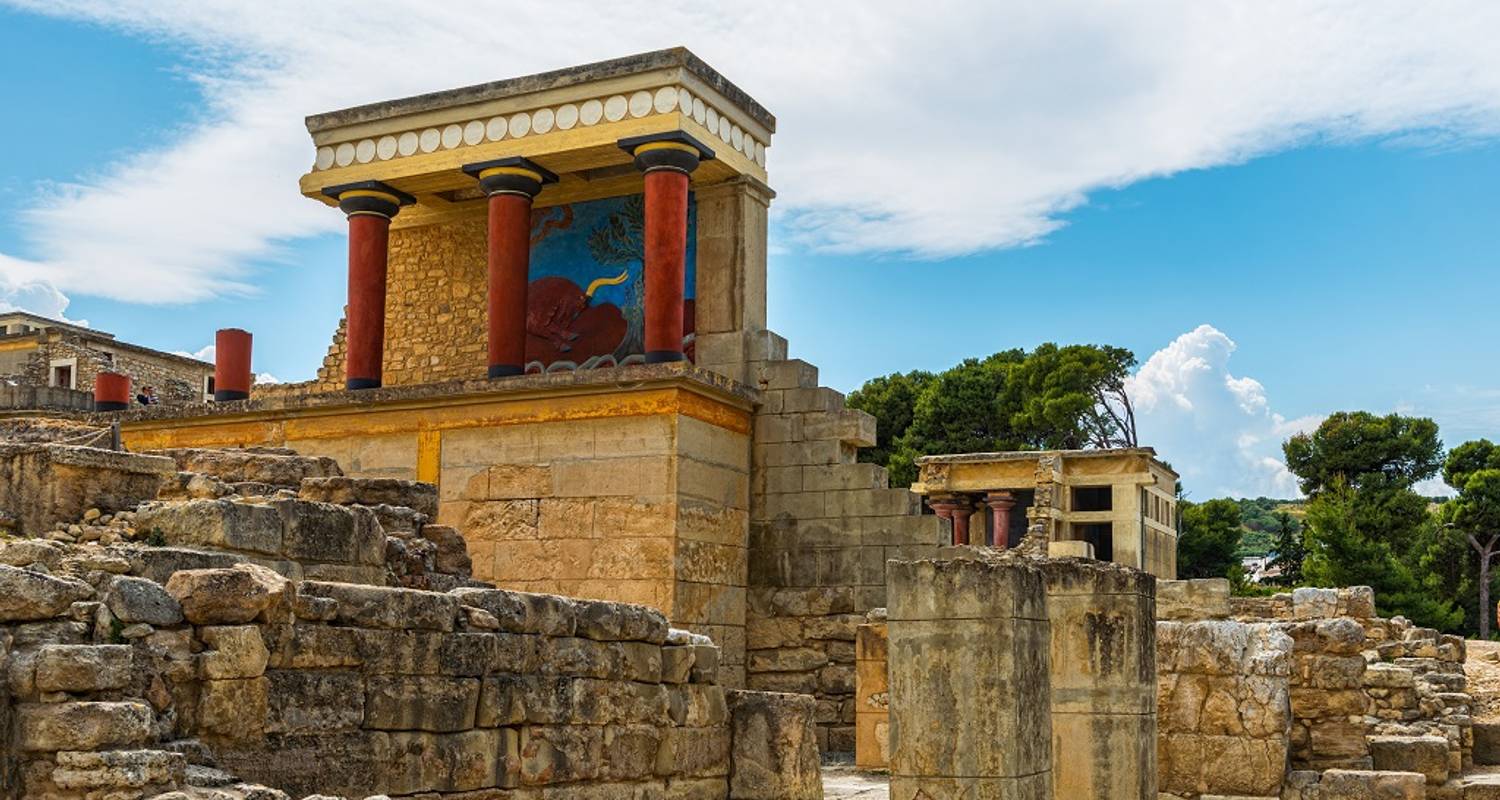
[[44, 485]]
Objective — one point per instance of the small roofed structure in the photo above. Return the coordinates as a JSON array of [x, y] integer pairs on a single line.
[[1115, 505]]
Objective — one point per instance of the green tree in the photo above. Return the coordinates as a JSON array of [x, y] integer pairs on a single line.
[[961, 410], [1290, 550], [1074, 397], [1210, 535], [1364, 451], [891, 399], [1473, 468]]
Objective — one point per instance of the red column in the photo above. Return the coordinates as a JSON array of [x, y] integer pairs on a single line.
[[667, 159], [111, 391], [370, 206], [1000, 504], [666, 262], [957, 509], [511, 183], [231, 365]]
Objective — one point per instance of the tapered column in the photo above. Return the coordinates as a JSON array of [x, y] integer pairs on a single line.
[[370, 205], [1000, 504], [667, 159], [511, 184], [231, 365], [956, 508]]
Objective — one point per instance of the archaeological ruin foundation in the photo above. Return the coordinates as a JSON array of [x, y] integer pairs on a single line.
[[560, 518]]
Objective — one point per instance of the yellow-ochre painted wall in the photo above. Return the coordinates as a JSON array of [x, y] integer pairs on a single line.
[[636, 495]]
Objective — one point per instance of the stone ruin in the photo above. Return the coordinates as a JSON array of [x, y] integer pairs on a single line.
[[253, 625]]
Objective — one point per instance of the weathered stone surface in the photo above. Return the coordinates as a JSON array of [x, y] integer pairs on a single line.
[[27, 595], [1192, 600], [226, 596], [322, 532], [775, 751], [428, 703], [384, 607], [219, 524], [452, 555], [134, 600], [314, 701], [235, 651], [1487, 743], [119, 770], [605, 621], [523, 612], [1425, 754], [82, 668], [1347, 784], [82, 726], [421, 497], [257, 465]]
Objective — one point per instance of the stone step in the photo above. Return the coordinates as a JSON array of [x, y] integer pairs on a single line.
[[418, 496], [1425, 754], [295, 530], [1487, 743], [278, 467]]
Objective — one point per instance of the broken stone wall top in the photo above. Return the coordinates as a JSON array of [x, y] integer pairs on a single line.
[[43, 485]]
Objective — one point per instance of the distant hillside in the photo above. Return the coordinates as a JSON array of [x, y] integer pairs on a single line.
[[1258, 521]]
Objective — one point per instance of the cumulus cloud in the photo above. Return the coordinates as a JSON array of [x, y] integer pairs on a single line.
[[22, 290], [205, 353], [1218, 430], [266, 378], [910, 128]]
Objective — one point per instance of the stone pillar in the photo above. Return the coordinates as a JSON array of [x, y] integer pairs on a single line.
[[667, 159], [1000, 504], [774, 747], [511, 184], [370, 205], [232, 377], [969, 680], [1103, 689], [111, 391]]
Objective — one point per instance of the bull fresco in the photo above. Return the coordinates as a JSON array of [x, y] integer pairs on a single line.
[[586, 301]]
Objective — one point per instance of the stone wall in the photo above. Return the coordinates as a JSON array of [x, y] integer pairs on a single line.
[[1019, 677], [1224, 708], [176, 380], [44, 485], [822, 527]]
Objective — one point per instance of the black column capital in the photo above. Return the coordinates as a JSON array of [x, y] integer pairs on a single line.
[[369, 197], [512, 175], [674, 150]]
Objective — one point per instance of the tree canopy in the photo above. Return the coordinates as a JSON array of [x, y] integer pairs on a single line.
[[1365, 451], [1208, 540], [1055, 397]]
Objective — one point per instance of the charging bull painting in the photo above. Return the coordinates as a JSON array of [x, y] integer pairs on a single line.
[[585, 304]]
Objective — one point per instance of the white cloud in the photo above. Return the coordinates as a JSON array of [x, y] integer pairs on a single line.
[[266, 378], [205, 353], [1217, 430], [22, 290], [905, 127]]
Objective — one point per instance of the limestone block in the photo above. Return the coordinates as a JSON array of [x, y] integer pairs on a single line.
[[429, 703], [560, 754], [331, 533], [1425, 754], [605, 621], [117, 770], [523, 612], [705, 664], [1487, 743], [696, 752], [284, 468], [1190, 763], [412, 762], [1342, 784], [305, 646], [230, 596], [1190, 600], [314, 701], [1069, 549], [1311, 603], [957, 623], [775, 753], [134, 600], [82, 668], [385, 607], [233, 710], [82, 725], [452, 556], [26, 595], [1357, 602], [234, 651], [221, 524], [418, 496], [571, 655]]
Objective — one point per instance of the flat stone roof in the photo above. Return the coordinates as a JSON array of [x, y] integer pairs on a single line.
[[624, 378], [1032, 455], [527, 84]]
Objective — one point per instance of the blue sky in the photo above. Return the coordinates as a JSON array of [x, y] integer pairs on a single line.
[[1344, 260]]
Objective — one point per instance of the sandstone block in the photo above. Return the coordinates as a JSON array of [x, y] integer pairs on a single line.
[[1487, 743], [384, 607], [775, 752], [26, 595], [605, 621], [119, 770], [233, 710], [229, 596], [1311, 603], [421, 497], [82, 726], [82, 668], [221, 524], [314, 701], [1343, 784], [134, 600], [1425, 754], [523, 612], [235, 651], [330, 533]]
